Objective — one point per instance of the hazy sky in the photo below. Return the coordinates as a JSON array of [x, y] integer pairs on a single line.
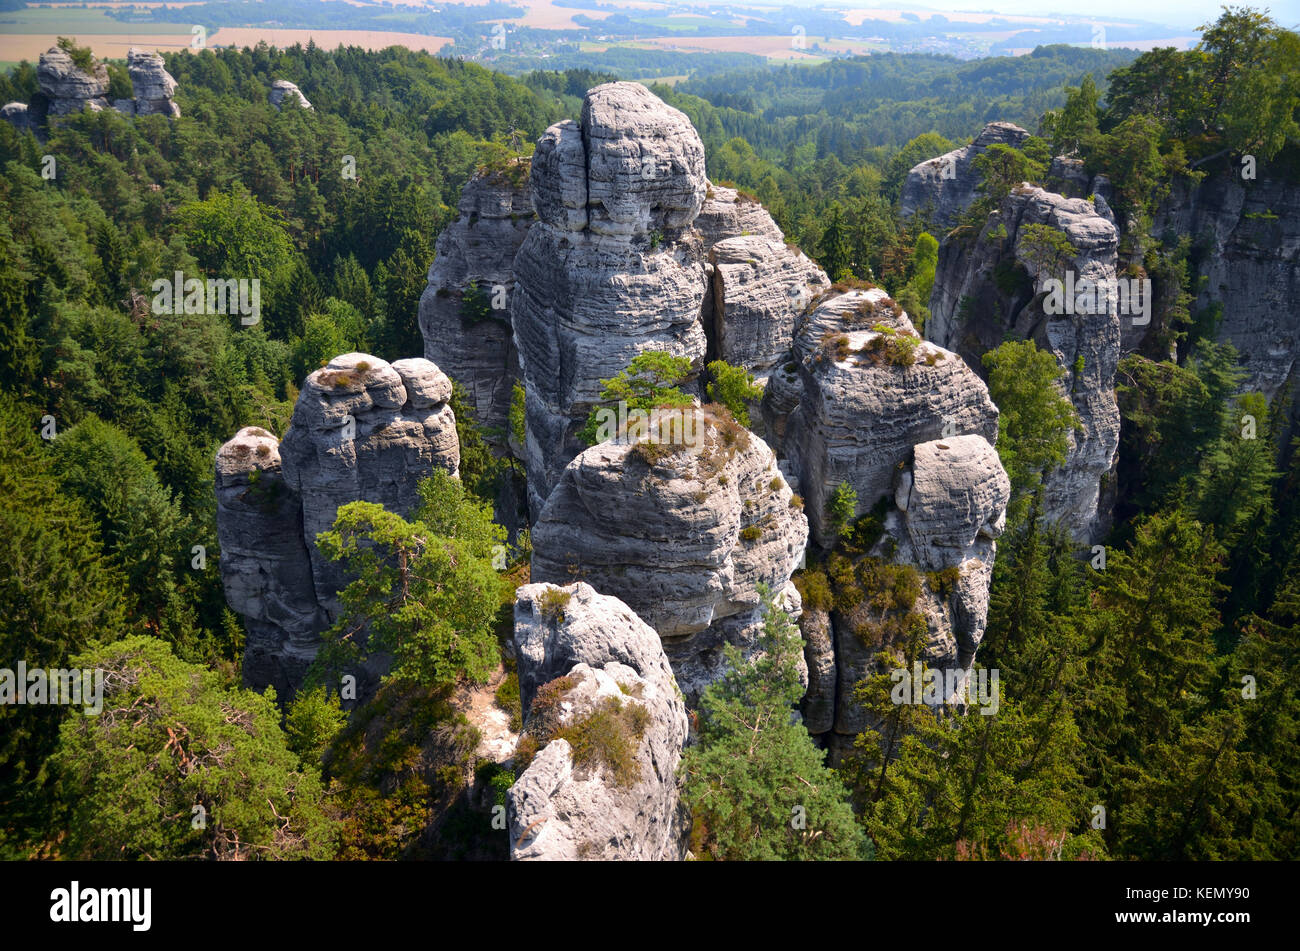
[[1180, 13]]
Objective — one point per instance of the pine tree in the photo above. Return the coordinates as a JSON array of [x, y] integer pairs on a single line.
[[754, 782]]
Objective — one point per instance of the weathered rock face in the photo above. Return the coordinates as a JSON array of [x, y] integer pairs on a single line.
[[760, 286], [562, 810], [152, 84], [265, 567], [68, 88], [996, 284], [860, 411], [635, 251], [365, 429], [949, 507], [362, 429], [605, 273], [946, 186], [865, 401], [684, 534], [1252, 266], [472, 341], [282, 89]]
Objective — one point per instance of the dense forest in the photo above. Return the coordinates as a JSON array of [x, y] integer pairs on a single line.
[[1161, 689]]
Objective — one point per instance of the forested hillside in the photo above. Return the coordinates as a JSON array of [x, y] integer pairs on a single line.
[[1157, 685]]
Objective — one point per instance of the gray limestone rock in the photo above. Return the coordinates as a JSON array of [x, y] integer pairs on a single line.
[[151, 84], [19, 116], [683, 533], [265, 568], [363, 429], [859, 413], [282, 89], [998, 283], [473, 343], [68, 88], [560, 809], [946, 186]]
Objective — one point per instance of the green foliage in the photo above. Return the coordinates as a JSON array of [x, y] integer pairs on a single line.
[[170, 738], [607, 736], [81, 56], [755, 784], [311, 722], [734, 388], [649, 381], [424, 591], [842, 508], [507, 698], [1034, 417], [480, 470], [518, 415], [1001, 168], [59, 592]]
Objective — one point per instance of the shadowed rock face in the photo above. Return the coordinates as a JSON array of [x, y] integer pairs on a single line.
[[473, 344], [684, 539], [946, 186], [995, 285], [265, 568], [362, 430], [562, 810], [19, 116], [1252, 266], [68, 88]]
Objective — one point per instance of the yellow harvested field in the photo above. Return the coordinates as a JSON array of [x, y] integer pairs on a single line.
[[326, 39], [29, 46]]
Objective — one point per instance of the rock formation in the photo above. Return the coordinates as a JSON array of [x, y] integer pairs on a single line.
[[605, 273], [997, 284], [68, 88], [634, 250], [1251, 263], [362, 429], [265, 565], [682, 530], [909, 427], [471, 340], [282, 89], [946, 186], [611, 660], [862, 406], [151, 84]]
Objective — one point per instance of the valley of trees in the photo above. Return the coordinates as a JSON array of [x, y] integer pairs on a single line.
[[1158, 685]]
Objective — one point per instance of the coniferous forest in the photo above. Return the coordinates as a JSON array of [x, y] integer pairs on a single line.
[[1148, 668]]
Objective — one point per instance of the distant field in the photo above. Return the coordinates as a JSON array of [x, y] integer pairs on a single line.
[[327, 39], [30, 46], [167, 37], [68, 21]]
